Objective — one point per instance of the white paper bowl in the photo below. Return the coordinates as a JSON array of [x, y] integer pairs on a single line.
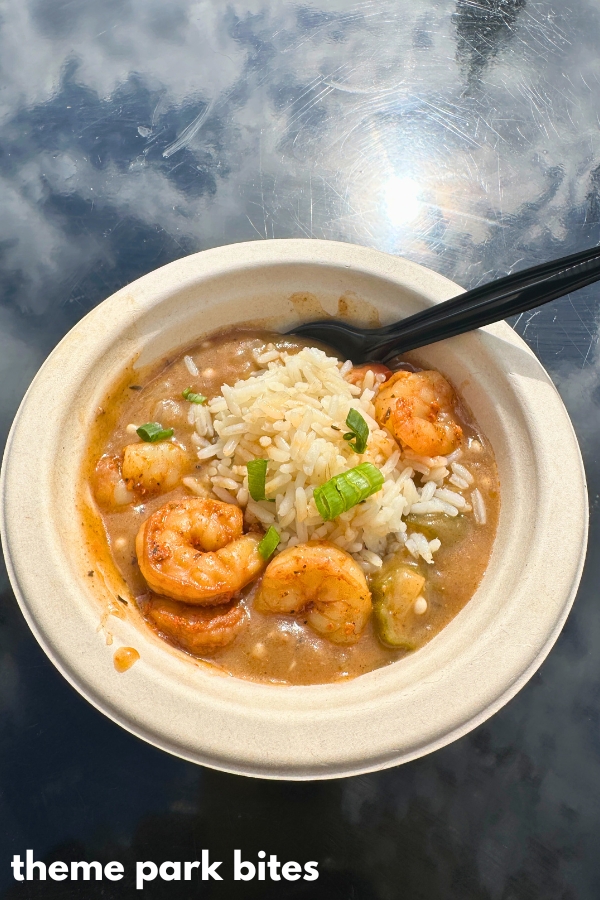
[[466, 673]]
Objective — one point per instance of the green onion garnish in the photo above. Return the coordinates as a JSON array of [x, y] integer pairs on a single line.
[[359, 431], [153, 432], [269, 543], [257, 476], [188, 394], [344, 491]]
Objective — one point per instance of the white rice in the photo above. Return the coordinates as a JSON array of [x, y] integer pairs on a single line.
[[462, 473], [191, 366], [293, 413], [479, 510]]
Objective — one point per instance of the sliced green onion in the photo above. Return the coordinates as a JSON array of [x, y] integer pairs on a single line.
[[257, 476], [269, 543], [188, 394], [329, 501], [153, 432], [359, 431], [344, 491]]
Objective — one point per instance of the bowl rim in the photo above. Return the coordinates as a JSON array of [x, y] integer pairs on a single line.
[[117, 314]]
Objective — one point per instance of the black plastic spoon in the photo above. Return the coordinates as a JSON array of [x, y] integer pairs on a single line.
[[483, 305]]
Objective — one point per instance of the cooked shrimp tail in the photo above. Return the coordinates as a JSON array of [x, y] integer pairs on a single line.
[[153, 468], [196, 629], [323, 581], [194, 550], [418, 409], [110, 488]]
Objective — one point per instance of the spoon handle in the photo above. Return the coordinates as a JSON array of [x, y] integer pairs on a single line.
[[489, 303]]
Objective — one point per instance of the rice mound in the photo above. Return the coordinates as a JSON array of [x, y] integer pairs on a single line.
[[293, 413]]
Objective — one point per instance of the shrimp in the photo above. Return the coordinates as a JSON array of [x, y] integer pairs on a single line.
[[357, 373], [193, 629], [153, 468], [110, 489], [323, 579], [417, 407], [195, 550]]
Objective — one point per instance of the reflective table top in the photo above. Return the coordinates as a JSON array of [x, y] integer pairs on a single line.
[[461, 135]]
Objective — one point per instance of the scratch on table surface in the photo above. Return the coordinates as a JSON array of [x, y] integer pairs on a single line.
[[454, 211], [262, 188], [591, 344], [568, 336], [443, 116], [188, 133], [343, 198], [346, 89], [541, 28], [310, 104], [261, 236], [307, 90], [300, 225], [345, 19], [593, 337], [529, 321], [500, 202], [152, 138]]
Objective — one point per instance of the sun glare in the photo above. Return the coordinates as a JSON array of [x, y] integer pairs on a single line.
[[401, 193]]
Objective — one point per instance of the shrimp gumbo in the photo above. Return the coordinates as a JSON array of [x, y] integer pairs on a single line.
[[284, 515]]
